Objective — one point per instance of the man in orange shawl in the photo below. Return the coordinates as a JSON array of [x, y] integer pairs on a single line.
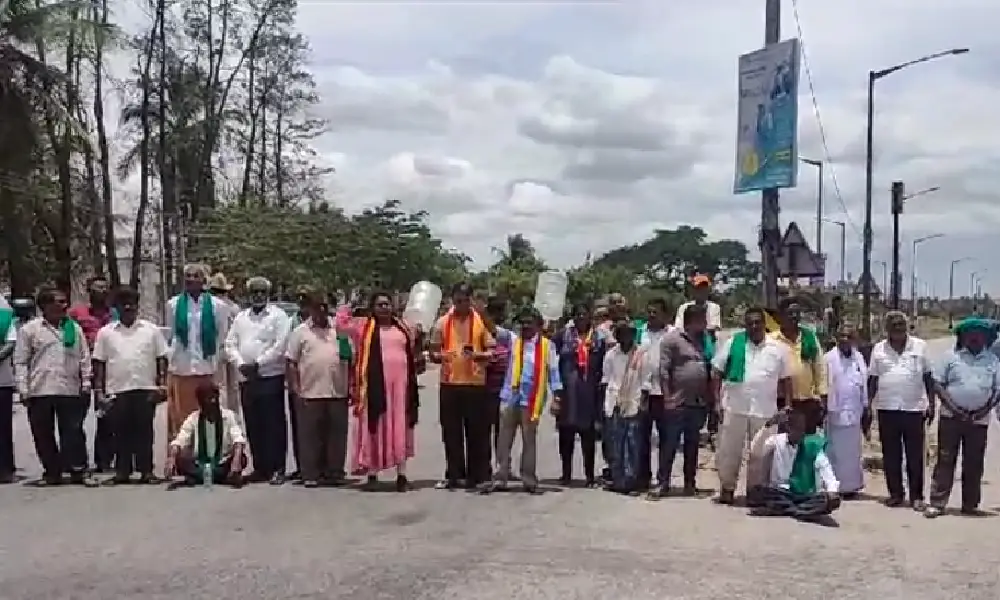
[[462, 345]]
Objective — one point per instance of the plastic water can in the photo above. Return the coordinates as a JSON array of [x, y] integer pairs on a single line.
[[550, 294], [207, 475], [423, 304]]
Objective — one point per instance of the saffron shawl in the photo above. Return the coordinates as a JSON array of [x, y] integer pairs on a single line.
[[450, 340], [370, 375]]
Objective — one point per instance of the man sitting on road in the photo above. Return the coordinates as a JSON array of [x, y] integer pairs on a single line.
[[210, 443], [796, 464]]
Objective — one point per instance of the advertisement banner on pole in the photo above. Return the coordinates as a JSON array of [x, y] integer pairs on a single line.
[[767, 153]]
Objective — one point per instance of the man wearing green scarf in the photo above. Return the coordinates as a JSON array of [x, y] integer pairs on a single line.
[[809, 384], [750, 372], [800, 482], [52, 372], [8, 337], [210, 443], [198, 324]]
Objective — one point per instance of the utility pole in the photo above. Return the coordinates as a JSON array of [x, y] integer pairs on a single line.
[[898, 193], [770, 230], [182, 242]]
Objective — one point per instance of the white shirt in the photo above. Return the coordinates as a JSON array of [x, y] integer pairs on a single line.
[[783, 458], [232, 433], [191, 361], [650, 348], [767, 363], [900, 375], [259, 337], [714, 315], [44, 366], [129, 355], [624, 375], [7, 366]]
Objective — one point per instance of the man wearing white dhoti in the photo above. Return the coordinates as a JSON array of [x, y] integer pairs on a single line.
[[847, 409]]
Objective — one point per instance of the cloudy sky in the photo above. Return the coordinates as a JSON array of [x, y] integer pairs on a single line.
[[586, 125]]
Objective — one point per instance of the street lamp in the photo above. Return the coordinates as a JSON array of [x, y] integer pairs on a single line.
[[874, 76], [913, 270], [974, 287], [951, 290], [899, 199], [885, 279], [843, 247], [819, 203]]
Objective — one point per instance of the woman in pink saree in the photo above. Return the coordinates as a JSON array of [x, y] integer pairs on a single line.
[[384, 391]]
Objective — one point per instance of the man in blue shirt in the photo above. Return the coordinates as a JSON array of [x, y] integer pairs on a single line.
[[966, 383], [532, 381]]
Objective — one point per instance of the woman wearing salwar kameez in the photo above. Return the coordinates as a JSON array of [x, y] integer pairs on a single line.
[[847, 404], [385, 396]]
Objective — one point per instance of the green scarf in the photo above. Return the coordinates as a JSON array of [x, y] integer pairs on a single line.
[[344, 348], [6, 322], [736, 364], [803, 478], [810, 343], [208, 332], [209, 448], [68, 328], [708, 346]]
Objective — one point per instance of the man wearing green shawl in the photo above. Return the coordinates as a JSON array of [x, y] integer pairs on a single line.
[[809, 383], [198, 324], [52, 373], [8, 337], [800, 482], [210, 441], [750, 372]]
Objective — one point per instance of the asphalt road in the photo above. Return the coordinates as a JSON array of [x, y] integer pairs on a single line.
[[275, 543]]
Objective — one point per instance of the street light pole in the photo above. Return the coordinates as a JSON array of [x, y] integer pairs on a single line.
[[866, 269], [913, 270], [843, 248], [951, 290], [770, 228], [819, 203], [885, 279]]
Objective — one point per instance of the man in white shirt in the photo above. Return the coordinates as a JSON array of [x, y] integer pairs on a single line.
[[130, 372], [901, 389], [198, 324], [210, 442], [802, 493], [752, 369], [624, 399], [8, 337], [52, 372], [649, 344], [702, 288], [256, 346]]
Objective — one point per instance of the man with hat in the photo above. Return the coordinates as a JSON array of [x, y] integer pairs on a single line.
[[8, 337], [198, 323], [701, 290], [256, 348], [967, 383]]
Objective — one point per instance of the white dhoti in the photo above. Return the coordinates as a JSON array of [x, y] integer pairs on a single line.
[[844, 445]]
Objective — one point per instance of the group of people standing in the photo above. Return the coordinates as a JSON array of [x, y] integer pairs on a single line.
[[232, 379]]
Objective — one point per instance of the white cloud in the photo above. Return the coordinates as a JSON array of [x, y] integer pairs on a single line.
[[585, 126]]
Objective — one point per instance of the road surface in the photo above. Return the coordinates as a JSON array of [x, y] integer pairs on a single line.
[[274, 543]]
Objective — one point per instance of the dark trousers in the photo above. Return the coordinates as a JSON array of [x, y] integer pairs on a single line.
[[625, 451], [293, 416], [132, 431], [188, 467], [7, 466], [323, 426], [104, 440], [901, 434], [465, 425], [781, 502], [678, 428], [956, 436], [263, 400], [45, 414], [588, 447]]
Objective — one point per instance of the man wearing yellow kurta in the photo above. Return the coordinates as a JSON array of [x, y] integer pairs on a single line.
[[809, 384]]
